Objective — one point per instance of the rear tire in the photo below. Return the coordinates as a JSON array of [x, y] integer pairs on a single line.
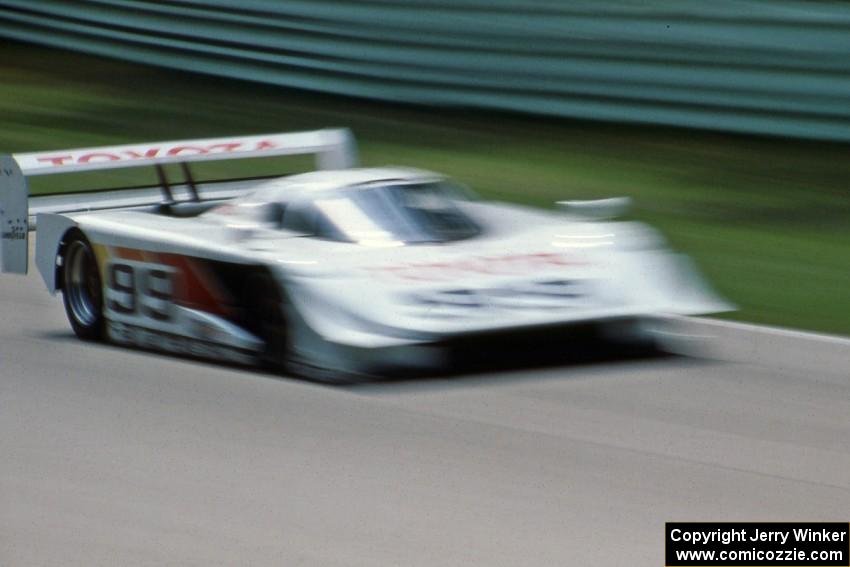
[[82, 289]]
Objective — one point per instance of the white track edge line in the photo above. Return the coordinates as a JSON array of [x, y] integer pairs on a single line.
[[777, 331]]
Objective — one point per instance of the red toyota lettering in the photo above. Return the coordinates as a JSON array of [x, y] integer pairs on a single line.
[[57, 160], [231, 147], [98, 156], [265, 145], [176, 151], [151, 153]]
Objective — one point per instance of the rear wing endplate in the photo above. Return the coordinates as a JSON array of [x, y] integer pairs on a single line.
[[14, 217], [333, 149]]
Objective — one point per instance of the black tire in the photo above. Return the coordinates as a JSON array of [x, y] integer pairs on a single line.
[[82, 289], [633, 338], [265, 317], [266, 309]]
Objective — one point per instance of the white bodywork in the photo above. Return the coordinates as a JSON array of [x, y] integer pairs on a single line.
[[376, 302]]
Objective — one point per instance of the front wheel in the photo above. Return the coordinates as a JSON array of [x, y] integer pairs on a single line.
[[265, 311], [82, 292]]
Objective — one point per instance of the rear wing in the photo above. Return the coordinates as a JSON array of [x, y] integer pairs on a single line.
[[333, 149]]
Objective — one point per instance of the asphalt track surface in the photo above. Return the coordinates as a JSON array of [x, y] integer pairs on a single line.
[[117, 457]]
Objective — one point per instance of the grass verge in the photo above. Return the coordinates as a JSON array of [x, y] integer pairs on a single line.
[[767, 220]]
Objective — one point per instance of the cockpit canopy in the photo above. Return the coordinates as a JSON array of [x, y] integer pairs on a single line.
[[386, 212]]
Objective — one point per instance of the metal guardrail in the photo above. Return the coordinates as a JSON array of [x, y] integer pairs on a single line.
[[759, 66]]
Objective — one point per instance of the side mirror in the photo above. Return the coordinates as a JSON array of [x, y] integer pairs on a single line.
[[597, 209]]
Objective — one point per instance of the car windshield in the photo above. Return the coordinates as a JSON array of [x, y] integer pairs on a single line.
[[403, 213]]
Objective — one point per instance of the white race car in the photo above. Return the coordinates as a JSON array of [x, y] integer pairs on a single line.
[[334, 274]]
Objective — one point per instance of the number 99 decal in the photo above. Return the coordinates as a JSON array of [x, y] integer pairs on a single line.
[[139, 290]]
